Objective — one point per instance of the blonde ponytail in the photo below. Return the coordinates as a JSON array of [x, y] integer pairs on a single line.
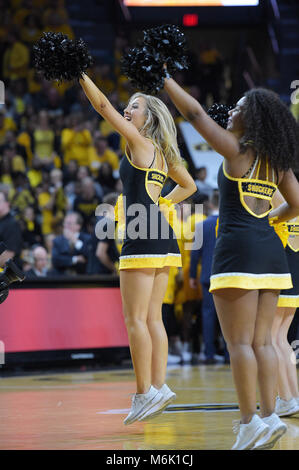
[[160, 127]]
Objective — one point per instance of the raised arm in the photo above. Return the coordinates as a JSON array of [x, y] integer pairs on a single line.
[[222, 141], [103, 106]]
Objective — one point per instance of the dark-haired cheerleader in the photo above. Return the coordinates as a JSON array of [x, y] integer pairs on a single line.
[[260, 146]]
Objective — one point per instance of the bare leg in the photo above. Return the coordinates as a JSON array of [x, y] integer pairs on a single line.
[[276, 333], [288, 353], [236, 310], [156, 328], [264, 351], [136, 289]]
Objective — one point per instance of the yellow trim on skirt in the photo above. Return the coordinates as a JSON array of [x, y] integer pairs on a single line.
[[135, 261], [250, 281], [288, 301]]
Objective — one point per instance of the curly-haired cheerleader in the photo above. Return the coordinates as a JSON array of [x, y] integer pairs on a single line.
[[260, 146], [259, 143]]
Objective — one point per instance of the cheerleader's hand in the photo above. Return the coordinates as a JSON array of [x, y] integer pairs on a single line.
[[272, 220]]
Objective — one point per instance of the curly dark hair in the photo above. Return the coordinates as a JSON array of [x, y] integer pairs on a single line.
[[271, 127]]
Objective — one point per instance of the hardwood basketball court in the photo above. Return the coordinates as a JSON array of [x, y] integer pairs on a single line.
[[85, 411]]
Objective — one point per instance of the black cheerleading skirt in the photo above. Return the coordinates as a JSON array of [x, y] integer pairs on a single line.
[[149, 254], [290, 297], [249, 258], [158, 247]]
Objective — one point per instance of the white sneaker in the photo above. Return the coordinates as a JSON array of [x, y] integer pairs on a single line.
[[286, 407], [168, 397], [143, 402], [186, 356], [249, 434], [276, 429], [172, 359]]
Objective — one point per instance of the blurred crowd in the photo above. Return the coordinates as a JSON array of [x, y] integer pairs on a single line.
[[56, 153], [59, 161]]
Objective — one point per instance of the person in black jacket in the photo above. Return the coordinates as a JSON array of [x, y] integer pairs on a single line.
[[71, 250], [40, 264], [104, 253], [10, 230], [10, 247]]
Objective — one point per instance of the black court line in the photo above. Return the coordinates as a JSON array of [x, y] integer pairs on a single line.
[[203, 407]]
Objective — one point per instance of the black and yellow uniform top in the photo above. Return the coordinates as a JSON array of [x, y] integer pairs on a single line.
[[290, 297], [248, 253], [149, 240]]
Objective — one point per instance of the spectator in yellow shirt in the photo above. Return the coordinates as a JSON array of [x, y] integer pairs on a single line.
[[15, 155], [21, 195], [124, 89], [55, 6], [56, 24], [51, 202], [103, 78], [16, 58], [20, 101], [12, 142], [6, 124], [87, 202], [21, 12], [33, 82], [43, 142], [56, 179], [31, 30], [45, 204], [76, 141], [100, 153], [5, 171]]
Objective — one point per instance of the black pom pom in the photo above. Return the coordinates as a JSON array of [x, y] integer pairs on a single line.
[[219, 113], [60, 58], [143, 65], [144, 69], [169, 43]]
